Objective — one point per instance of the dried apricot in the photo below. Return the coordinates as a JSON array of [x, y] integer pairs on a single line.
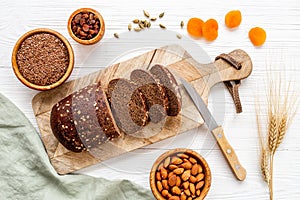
[[257, 36], [194, 27], [233, 18], [210, 29]]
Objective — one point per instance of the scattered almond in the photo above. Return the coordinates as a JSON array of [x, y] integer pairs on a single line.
[[199, 177], [192, 188], [158, 176], [172, 167], [176, 161]]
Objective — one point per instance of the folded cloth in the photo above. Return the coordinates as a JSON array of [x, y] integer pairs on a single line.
[[26, 172]]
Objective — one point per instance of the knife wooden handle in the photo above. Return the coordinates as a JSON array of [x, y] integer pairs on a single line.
[[229, 153]]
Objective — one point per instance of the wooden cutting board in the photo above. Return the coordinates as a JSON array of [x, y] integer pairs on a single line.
[[177, 60]]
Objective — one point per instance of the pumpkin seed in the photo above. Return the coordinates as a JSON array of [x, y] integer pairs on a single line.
[[141, 25], [116, 35], [136, 21], [161, 15], [153, 19], [162, 26], [181, 24], [148, 24], [129, 26], [178, 36], [146, 14], [137, 29]]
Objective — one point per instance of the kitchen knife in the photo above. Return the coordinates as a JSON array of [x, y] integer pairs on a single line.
[[217, 131]]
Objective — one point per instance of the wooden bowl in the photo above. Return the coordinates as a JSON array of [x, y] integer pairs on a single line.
[[160, 162], [93, 40], [16, 67]]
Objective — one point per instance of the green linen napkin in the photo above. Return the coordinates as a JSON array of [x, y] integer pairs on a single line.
[[26, 172]]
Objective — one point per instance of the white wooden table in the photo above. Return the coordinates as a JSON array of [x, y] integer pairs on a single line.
[[281, 20]]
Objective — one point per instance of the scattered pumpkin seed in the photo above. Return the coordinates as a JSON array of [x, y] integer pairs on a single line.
[[137, 29], [181, 24], [161, 15], [116, 35], [179, 36], [162, 26], [153, 19], [141, 25], [148, 24], [146, 14], [129, 26], [136, 21]]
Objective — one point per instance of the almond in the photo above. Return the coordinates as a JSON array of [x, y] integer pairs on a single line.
[[158, 176], [176, 190], [159, 186], [172, 180], [187, 192], [199, 185], [186, 175], [176, 161], [178, 181], [172, 167], [192, 179], [174, 198], [193, 160], [200, 170], [167, 162], [199, 177], [165, 193], [194, 170], [170, 174], [186, 185], [186, 165], [165, 184], [190, 198], [178, 171], [198, 192], [192, 188], [183, 196], [182, 156], [164, 173]]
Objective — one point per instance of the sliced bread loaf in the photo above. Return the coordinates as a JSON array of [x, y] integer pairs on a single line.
[[171, 87], [128, 105], [156, 100], [83, 120]]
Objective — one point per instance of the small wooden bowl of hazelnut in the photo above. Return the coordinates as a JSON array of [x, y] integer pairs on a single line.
[[86, 26], [180, 174]]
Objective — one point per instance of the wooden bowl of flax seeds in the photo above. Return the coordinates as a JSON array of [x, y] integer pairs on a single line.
[[86, 26], [42, 59]]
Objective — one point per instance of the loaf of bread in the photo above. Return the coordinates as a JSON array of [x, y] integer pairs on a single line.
[[90, 117], [156, 99], [128, 105], [171, 88], [83, 120]]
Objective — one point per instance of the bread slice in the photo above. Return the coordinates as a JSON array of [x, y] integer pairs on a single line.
[[156, 99], [171, 87], [83, 120], [128, 105]]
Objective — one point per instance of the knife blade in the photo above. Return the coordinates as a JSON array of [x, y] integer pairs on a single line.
[[217, 131]]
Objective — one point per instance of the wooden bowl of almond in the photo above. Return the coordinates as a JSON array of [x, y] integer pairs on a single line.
[[180, 174]]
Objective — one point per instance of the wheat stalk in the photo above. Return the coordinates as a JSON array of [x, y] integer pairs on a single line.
[[282, 107]]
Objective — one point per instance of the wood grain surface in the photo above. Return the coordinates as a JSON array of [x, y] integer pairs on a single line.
[[177, 60], [280, 53]]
